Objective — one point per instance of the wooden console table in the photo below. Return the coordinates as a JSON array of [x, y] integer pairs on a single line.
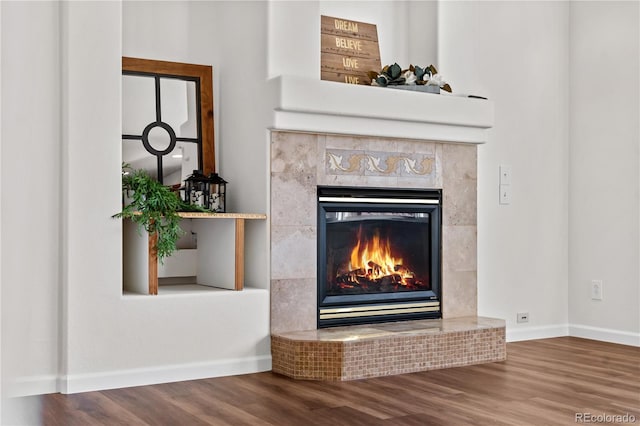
[[239, 245]]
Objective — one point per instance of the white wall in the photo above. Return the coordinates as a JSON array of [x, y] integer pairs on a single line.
[[516, 53], [106, 339], [30, 197], [422, 38], [2, 398], [233, 35], [407, 32], [293, 37], [604, 170], [114, 340]]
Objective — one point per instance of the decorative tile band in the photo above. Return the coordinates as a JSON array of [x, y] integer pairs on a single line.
[[378, 163]]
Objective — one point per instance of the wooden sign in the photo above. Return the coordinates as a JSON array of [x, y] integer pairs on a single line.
[[348, 50]]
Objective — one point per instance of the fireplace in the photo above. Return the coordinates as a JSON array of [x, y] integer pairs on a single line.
[[303, 162], [331, 136], [321, 189], [379, 255]]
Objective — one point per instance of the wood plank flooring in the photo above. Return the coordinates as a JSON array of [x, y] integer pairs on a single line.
[[542, 382]]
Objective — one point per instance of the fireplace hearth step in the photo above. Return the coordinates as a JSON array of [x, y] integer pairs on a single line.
[[375, 350]]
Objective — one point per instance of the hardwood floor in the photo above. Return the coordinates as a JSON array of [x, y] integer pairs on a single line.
[[542, 382]]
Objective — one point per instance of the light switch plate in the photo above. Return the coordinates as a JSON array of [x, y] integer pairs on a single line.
[[505, 175], [505, 194]]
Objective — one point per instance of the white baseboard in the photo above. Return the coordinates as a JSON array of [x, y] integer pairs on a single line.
[[37, 385], [75, 383], [32, 385], [573, 330], [604, 334], [532, 333]]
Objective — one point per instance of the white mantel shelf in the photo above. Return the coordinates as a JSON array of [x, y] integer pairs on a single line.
[[316, 106]]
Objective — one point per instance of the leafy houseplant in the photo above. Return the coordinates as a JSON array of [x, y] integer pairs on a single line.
[[153, 208]]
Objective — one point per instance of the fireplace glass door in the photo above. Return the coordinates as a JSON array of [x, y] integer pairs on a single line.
[[378, 255]]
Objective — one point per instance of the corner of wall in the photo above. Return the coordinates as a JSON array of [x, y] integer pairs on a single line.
[[604, 160]]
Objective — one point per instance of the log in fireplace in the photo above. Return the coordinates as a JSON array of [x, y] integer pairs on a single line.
[[379, 255]]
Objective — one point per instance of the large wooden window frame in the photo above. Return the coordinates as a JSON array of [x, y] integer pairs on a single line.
[[204, 73]]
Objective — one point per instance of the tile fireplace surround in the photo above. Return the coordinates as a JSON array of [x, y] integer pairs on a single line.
[[300, 162]]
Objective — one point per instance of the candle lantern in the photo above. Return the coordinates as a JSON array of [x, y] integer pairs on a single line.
[[217, 193], [196, 189]]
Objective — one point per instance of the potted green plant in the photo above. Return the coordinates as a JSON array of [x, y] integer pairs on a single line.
[[154, 208]]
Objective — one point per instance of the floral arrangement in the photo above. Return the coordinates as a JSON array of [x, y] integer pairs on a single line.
[[393, 75]]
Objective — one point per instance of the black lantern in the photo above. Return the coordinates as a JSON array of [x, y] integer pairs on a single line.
[[196, 189], [208, 192], [217, 193]]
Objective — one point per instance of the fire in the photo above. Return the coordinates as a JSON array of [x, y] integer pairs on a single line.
[[373, 265], [373, 256]]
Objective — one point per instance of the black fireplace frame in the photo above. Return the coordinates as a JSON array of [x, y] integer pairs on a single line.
[[409, 305]]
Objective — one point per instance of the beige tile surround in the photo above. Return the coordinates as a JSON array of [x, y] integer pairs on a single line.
[[301, 161]]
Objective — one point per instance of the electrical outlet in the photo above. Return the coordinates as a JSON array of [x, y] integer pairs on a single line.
[[596, 289], [523, 316]]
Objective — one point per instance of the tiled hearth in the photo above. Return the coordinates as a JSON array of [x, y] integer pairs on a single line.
[[362, 351], [300, 162]]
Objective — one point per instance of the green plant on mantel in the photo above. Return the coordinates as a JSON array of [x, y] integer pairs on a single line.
[[154, 208], [393, 75]]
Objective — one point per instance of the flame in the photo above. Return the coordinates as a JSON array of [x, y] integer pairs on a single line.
[[374, 256]]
